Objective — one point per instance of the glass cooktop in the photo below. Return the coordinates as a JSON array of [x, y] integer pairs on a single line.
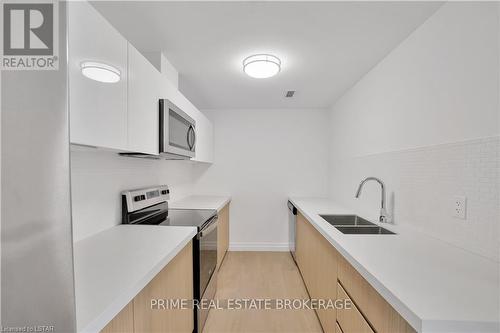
[[188, 217]]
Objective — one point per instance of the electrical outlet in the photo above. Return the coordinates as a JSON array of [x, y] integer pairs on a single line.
[[460, 207]]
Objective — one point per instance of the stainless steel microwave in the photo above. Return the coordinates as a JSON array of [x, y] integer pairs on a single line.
[[177, 132]]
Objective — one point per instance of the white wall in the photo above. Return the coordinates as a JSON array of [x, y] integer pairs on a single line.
[[416, 120], [261, 157], [425, 120], [98, 177]]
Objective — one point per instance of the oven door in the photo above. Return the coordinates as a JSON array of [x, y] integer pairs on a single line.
[[207, 238], [177, 131]]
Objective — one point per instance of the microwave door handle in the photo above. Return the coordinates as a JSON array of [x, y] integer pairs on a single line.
[[194, 137], [191, 136], [188, 137]]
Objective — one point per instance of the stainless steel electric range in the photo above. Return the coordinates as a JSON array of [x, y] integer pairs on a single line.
[[149, 206]]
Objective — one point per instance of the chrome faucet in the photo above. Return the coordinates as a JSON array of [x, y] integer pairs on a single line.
[[383, 212]]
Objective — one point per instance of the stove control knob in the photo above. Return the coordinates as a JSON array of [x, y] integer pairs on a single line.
[[139, 198]]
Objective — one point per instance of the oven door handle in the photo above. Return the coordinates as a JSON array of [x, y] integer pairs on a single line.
[[212, 225]]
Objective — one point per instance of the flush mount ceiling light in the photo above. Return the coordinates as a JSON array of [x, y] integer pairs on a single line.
[[100, 72], [261, 66]]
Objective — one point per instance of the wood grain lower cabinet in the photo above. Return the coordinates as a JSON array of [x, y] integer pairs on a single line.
[[317, 261], [123, 322], [380, 314], [175, 281], [303, 249], [222, 234], [322, 266]]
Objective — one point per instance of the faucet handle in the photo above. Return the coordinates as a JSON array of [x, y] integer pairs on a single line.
[[384, 218]]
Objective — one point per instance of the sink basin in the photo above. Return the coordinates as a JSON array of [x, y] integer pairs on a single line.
[[346, 220], [355, 225], [364, 230]]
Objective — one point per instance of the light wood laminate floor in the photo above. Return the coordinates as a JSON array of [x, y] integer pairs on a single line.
[[267, 275]]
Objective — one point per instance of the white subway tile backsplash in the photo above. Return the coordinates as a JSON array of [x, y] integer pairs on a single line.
[[422, 183]]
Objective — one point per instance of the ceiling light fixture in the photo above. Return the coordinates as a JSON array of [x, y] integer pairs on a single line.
[[261, 66], [100, 72]]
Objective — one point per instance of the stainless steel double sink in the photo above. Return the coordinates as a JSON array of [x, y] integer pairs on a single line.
[[355, 225]]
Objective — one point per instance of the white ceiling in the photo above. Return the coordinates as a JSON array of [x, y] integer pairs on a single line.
[[325, 47]]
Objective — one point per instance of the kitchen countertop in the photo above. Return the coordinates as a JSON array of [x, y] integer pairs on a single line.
[[112, 267], [435, 286], [200, 202]]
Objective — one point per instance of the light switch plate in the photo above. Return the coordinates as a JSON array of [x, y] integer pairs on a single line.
[[460, 207]]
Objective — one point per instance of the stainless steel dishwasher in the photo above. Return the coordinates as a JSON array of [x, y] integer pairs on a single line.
[[292, 218]]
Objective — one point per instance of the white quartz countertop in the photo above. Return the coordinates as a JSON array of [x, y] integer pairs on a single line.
[[112, 267], [200, 202], [435, 286]]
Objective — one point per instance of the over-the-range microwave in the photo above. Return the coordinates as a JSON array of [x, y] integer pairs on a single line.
[[177, 134]]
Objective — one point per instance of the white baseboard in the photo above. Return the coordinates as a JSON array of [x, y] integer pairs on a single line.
[[275, 247]]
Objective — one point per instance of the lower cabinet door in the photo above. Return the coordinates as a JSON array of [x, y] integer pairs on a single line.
[[174, 282], [222, 234], [304, 250], [317, 261], [325, 280]]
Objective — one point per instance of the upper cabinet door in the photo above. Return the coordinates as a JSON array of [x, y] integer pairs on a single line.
[[144, 91], [98, 111], [205, 139]]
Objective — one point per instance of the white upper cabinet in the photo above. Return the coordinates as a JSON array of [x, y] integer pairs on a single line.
[[144, 92], [204, 139], [121, 116], [98, 111]]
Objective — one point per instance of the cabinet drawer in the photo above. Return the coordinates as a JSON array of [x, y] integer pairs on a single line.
[[380, 314], [351, 320]]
